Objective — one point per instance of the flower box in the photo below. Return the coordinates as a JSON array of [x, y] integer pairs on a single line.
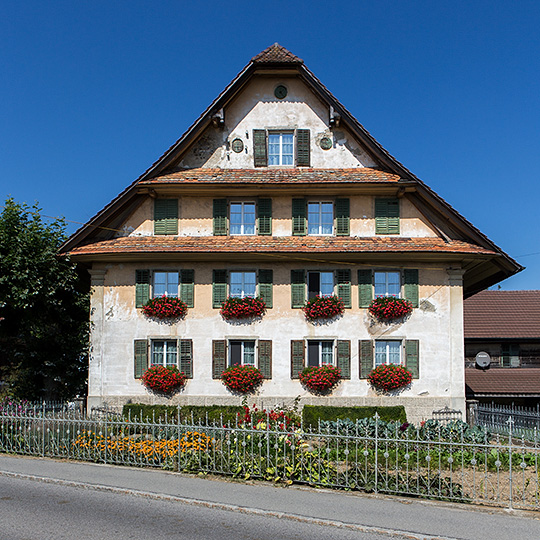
[[242, 379], [323, 307], [389, 377], [242, 308], [165, 307], [163, 379], [387, 308], [320, 379]]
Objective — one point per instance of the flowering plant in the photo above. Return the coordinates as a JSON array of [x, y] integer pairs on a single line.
[[165, 307], [272, 419], [323, 307], [163, 379], [387, 308], [242, 308], [320, 379], [389, 377], [242, 379]]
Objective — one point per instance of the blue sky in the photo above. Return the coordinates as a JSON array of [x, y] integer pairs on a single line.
[[94, 92]]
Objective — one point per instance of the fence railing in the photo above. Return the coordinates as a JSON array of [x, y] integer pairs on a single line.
[[449, 462], [525, 422]]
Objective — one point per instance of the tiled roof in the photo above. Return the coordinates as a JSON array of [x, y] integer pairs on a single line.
[[275, 244], [276, 54], [274, 176], [503, 381], [502, 314]]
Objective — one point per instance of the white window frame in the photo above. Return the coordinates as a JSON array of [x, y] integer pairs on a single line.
[[170, 347], [280, 144], [243, 220], [387, 283], [388, 352], [243, 285], [322, 355], [320, 293], [169, 294], [243, 352], [319, 215]]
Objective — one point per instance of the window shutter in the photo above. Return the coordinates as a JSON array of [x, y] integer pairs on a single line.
[[298, 288], [265, 358], [343, 278], [365, 353], [166, 216], [187, 286], [266, 278], [186, 357], [297, 357], [344, 358], [260, 158], [365, 288], [219, 287], [142, 287], [342, 217], [219, 357], [220, 217], [140, 357], [299, 212], [412, 358], [387, 216], [410, 286], [264, 216], [303, 148]]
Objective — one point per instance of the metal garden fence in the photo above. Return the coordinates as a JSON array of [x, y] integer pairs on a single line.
[[525, 421], [448, 462]]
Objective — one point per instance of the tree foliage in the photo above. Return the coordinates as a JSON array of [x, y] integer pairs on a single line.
[[44, 309]]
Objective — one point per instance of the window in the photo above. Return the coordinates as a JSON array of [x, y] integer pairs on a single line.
[[387, 284], [164, 353], [387, 352], [280, 148], [165, 284], [510, 355], [320, 284], [243, 284], [241, 353], [166, 216], [320, 352], [320, 218], [242, 218]]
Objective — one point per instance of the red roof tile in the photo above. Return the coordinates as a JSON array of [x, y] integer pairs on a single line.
[[502, 314], [276, 54], [275, 244], [274, 176], [503, 381]]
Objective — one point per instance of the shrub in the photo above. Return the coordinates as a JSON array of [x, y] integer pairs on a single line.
[[163, 379], [320, 379], [164, 307], [311, 414], [389, 377], [323, 307], [242, 379], [242, 308], [198, 414], [387, 308]]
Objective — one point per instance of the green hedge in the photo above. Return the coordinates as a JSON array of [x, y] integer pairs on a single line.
[[311, 414], [215, 412]]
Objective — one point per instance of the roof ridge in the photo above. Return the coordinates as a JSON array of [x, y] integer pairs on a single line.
[[276, 54]]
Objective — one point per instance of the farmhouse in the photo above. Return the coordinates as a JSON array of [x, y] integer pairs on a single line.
[[277, 192]]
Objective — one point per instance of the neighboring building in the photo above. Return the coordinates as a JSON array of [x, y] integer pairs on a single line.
[[506, 325], [276, 190]]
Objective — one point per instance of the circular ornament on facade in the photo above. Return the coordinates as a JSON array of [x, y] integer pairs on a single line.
[[237, 145], [326, 143], [280, 91]]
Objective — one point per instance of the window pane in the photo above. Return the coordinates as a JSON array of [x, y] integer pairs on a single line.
[[249, 218], [160, 283], [313, 218], [387, 284], [236, 285], [287, 148], [250, 283], [313, 353], [326, 352], [327, 218], [157, 352], [393, 284], [327, 283], [249, 353], [171, 353], [394, 350], [235, 352], [273, 148], [172, 284], [380, 353], [236, 218]]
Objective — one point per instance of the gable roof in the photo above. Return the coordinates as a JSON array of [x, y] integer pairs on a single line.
[[497, 382]]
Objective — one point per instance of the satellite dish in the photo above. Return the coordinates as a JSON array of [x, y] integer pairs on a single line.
[[483, 359]]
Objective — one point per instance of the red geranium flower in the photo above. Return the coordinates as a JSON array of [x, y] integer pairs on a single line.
[[164, 307], [320, 379], [387, 308]]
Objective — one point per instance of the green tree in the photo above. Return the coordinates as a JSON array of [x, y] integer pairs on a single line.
[[44, 309]]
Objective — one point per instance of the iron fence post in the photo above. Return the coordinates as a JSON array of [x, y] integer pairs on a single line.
[[376, 416], [510, 423]]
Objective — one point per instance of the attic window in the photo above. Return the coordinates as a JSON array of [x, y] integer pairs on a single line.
[[281, 148]]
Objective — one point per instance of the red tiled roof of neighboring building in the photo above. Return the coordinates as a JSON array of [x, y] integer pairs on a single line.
[[276, 54], [274, 176], [276, 244], [502, 314], [503, 381]]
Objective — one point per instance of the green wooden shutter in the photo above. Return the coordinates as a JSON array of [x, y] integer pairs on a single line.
[[365, 354], [344, 358], [142, 287], [365, 288], [186, 357], [343, 217], [303, 148], [219, 357], [343, 278], [220, 217], [219, 287], [266, 278], [264, 216], [412, 357], [387, 216], [260, 158], [265, 358], [410, 286], [187, 286], [166, 216], [297, 357], [298, 288], [140, 357], [299, 211]]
